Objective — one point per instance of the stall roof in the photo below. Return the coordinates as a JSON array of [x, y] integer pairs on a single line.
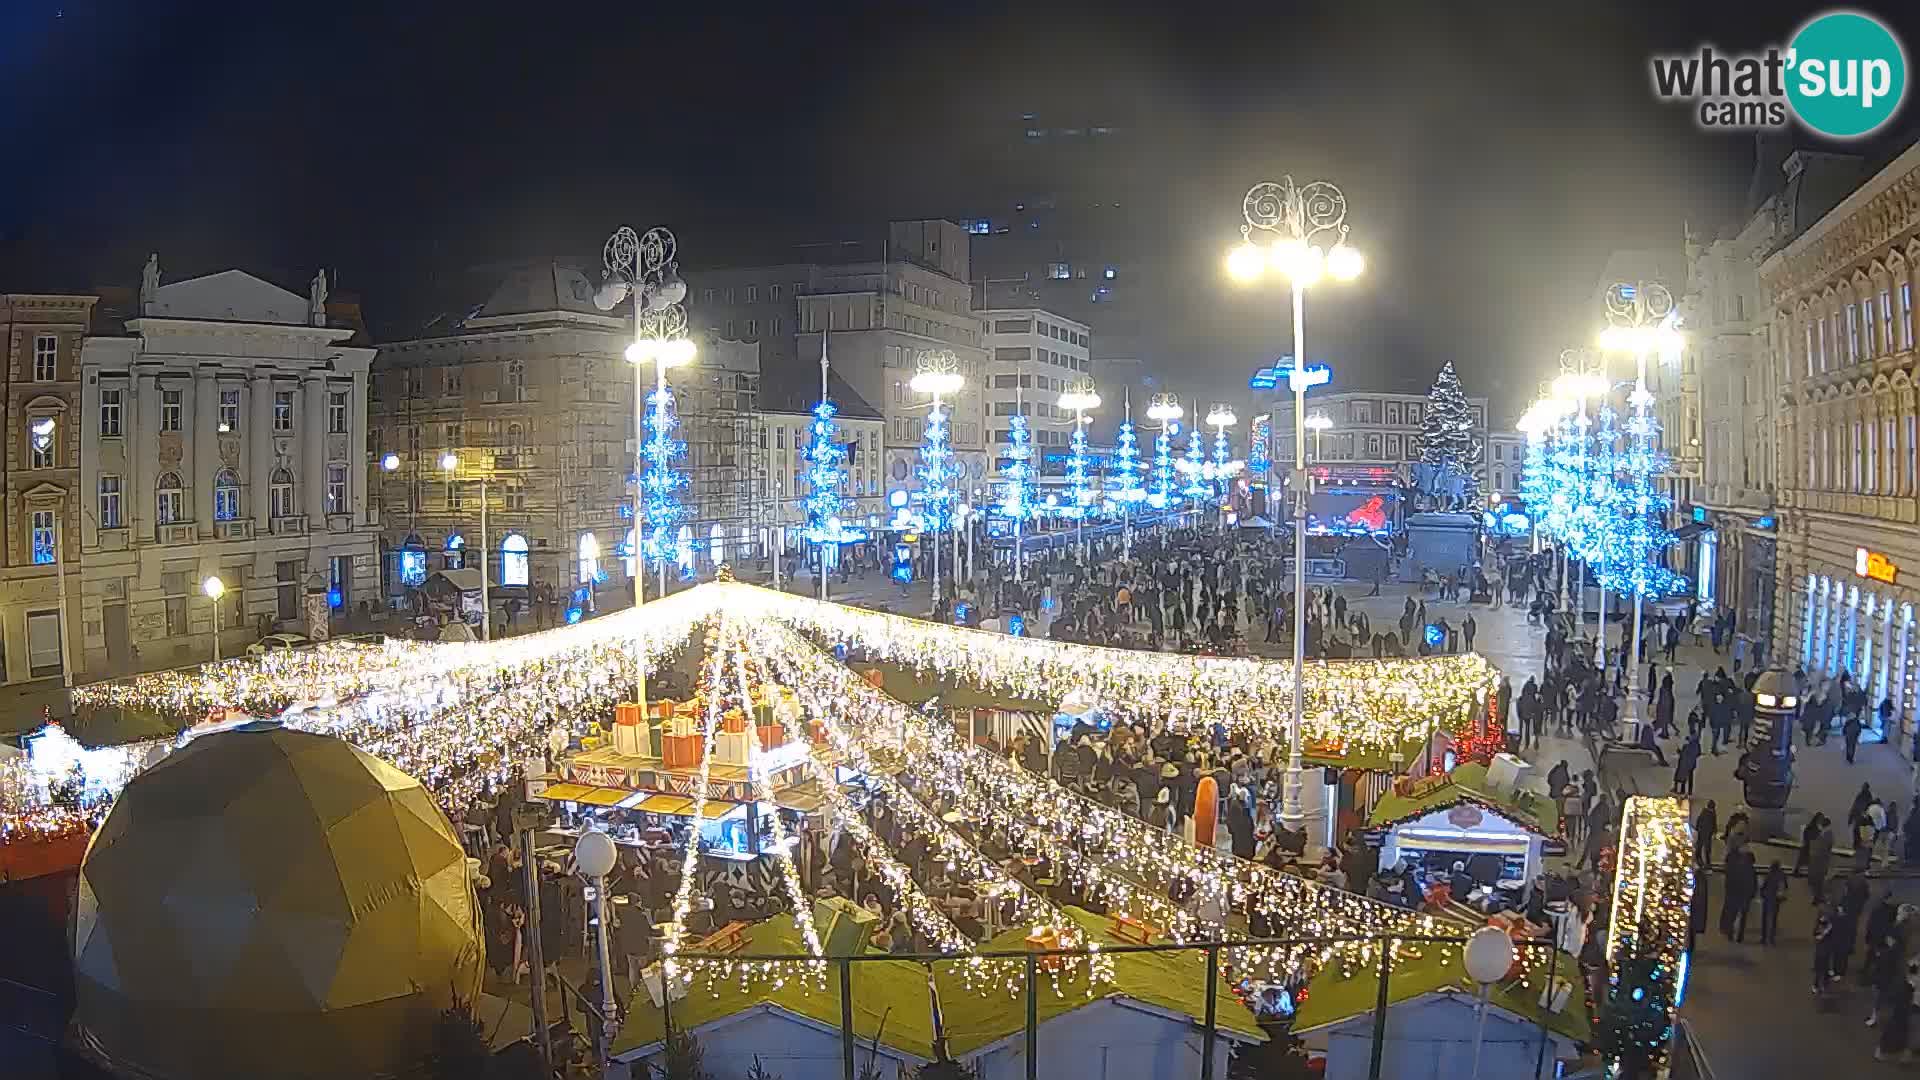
[[465, 579], [1468, 784], [1333, 997], [895, 991], [564, 792]]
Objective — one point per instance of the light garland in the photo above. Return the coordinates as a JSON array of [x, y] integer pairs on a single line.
[[676, 934], [826, 471], [1647, 933], [1016, 485], [1124, 489], [662, 483], [1164, 494], [1195, 468], [936, 472], [1079, 494]]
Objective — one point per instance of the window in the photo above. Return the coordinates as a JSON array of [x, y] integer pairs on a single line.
[[516, 381], [170, 409], [706, 296], [283, 410], [43, 538], [229, 411], [450, 381], [177, 616], [453, 432], [43, 644], [1820, 331], [516, 495], [109, 414], [513, 560], [589, 558], [1906, 315], [753, 296], [753, 328], [287, 589], [1809, 349], [516, 437], [337, 412], [46, 357], [1059, 271], [336, 489], [169, 500], [42, 443], [1868, 328], [109, 502], [226, 496], [281, 498], [775, 328], [1853, 334], [773, 293]]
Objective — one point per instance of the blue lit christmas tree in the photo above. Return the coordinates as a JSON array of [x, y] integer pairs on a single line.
[[936, 472], [1222, 456], [1604, 532], [1124, 474], [1079, 491], [1642, 509], [1195, 468], [1536, 481], [826, 471], [1163, 495], [1016, 487], [662, 483]]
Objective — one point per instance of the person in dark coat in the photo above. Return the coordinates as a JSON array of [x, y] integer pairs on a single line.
[[1685, 761], [1742, 884], [1697, 913], [1911, 830], [1857, 813], [1705, 827], [1820, 860], [1240, 823], [1824, 937], [1773, 892], [1846, 922]]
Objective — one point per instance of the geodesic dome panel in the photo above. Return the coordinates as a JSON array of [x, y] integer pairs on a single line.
[[271, 903]]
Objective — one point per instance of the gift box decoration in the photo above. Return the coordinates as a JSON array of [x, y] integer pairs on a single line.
[[730, 748], [734, 722], [629, 739], [661, 709], [654, 732], [817, 730], [626, 713], [771, 735], [682, 751]]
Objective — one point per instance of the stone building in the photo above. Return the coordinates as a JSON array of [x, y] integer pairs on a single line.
[[225, 435], [43, 336], [530, 391], [1840, 302]]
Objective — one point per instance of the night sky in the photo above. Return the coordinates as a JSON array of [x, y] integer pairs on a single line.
[[1492, 154]]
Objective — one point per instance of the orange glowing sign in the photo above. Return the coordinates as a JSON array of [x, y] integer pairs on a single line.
[[1874, 565]]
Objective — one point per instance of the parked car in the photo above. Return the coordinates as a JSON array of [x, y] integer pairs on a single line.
[[273, 643]]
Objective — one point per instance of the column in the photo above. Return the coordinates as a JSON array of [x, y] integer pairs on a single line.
[[203, 407], [143, 445], [357, 465], [313, 448], [259, 463]]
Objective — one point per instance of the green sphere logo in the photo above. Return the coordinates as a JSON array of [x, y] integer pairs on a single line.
[[1848, 74]]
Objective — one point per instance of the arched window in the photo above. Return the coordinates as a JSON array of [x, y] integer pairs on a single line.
[[516, 380], [589, 558], [683, 549], [513, 560], [226, 496], [717, 544], [626, 554], [455, 553], [516, 438], [169, 499], [282, 493]]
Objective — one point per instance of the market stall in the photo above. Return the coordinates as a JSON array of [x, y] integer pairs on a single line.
[[1463, 840]]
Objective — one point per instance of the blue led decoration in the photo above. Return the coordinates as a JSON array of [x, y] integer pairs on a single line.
[[662, 483], [936, 472], [1079, 494], [1016, 485], [1163, 495], [1195, 467], [1125, 471], [1222, 454], [1259, 460], [1643, 509], [826, 470]]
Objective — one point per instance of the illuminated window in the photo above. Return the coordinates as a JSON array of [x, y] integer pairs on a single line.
[[109, 414], [229, 411], [109, 502], [281, 503], [170, 408], [43, 537], [169, 500], [589, 558], [513, 560], [226, 496]]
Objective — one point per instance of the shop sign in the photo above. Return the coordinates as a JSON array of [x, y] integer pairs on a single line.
[[1874, 565]]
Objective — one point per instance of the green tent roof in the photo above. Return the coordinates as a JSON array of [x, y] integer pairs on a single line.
[[1468, 783], [1334, 996], [897, 990]]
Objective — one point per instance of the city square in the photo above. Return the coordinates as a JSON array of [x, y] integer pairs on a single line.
[[711, 546]]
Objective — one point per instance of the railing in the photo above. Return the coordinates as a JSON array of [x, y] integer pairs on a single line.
[[894, 989]]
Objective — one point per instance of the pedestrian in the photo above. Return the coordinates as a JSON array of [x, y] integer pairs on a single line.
[[1685, 762], [1468, 628], [1820, 861], [1673, 642], [1773, 890], [1823, 947], [1857, 813], [1741, 886], [1705, 827], [1850, 731]]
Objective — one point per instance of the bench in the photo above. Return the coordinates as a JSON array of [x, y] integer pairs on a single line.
[[730, 938], [1133, 930]]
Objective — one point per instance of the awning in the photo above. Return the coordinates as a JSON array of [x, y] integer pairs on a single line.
[[564, 792], [604, 796], [1691, 529]]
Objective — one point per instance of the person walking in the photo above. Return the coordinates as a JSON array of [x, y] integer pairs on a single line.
[[1705, 827], [1773, 890], [1850, 731], [1820, 860], [1738, 901], [1685, 762], [1823, 947], [1468, 628]]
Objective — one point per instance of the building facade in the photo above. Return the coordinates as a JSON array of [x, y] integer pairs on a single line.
[[1033, 356], [787, 420], [227, 437], [40, 561], [1840, 302], [1506, 456], [1366, 428], [532, 395]]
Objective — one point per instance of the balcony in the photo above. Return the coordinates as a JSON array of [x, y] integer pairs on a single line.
[[236, 529], [339, 523], [292, 525], [175, 532]]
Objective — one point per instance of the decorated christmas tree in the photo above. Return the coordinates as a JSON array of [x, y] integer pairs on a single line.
[[1642, 508], [936, 472], [1016, 486], [1194, 466], [662, 482], [826, 470], [1079, 491], [1163, 495], [1446, 429], [1125, 472]]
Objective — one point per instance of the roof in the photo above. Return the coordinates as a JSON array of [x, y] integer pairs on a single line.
[[896, 991], [466, 579], [794, 390], [913, 688], [1333, 996], [1468, 784]]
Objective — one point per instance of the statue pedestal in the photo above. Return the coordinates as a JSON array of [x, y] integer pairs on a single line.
[[1765, 824]]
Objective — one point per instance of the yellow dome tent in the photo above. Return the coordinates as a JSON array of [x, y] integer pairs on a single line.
[[271, 903]]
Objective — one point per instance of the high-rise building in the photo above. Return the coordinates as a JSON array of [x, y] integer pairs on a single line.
[[1034, 355]]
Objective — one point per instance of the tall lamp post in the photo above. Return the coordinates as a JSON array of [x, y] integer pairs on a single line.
[[1079, 399], [1642, 318], [1577, 386], [937, 374], [1293, 219], [1318, 423], [643, 268], [215, 589], [1220, 418], [450, 464], [1165, 410]]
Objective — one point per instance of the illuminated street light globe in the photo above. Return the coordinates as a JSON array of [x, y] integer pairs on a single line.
[[1221, 415], [1080, 398], [390, 462], [271, 903], [1319, 422], [1165, 407], [937, 372], [449, 461]]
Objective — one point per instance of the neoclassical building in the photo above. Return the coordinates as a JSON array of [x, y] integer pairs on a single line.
[[1841, 340]]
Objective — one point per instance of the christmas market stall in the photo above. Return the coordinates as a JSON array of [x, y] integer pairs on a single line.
[[1464, 840]]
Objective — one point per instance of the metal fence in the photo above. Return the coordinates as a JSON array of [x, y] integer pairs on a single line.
[[983, 1023]]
